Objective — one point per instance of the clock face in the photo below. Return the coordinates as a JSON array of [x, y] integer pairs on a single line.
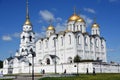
[[27, 28]]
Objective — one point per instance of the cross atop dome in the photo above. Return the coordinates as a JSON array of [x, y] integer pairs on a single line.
[[95, 25]]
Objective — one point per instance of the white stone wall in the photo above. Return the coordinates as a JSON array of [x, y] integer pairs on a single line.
[[70, 68]]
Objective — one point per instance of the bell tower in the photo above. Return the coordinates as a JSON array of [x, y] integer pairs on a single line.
[[27, 36]]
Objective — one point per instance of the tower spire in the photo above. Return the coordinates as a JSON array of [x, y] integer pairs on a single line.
[[27, 12], [27, 22]]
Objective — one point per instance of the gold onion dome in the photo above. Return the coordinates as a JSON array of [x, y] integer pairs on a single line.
[[95, 25], [27, 22], [74, 17], [50, 27], [80, 20]]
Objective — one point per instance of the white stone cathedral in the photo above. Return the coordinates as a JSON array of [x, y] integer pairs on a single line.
[[62, 46]]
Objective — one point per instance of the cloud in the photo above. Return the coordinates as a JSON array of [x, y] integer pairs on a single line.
[[58, 19], [111, 50], [10, 36], [46, 15], [16, 35], [90, 10], [39, 35], [6, 38], [87, 19], [60, 27], [43, 28], [113, 0]]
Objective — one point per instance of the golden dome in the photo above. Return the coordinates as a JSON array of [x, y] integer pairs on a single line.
[[27, 22], [74, 17], [50, 28], [80, 20], [95, 25]]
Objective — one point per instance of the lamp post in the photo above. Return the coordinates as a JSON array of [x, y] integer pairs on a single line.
[[29, 67], [33, 55], [55, 53]]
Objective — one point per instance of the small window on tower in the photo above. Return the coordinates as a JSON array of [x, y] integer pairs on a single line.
[[22, 50], [23, 37], [30, 38]]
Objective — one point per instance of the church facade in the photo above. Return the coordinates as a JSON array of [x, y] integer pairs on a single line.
[[60, 47], [65, 45]]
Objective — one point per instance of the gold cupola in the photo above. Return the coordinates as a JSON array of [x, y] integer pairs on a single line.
[[51, 27], [27, 22], [95, 25], [80, 20], [74, 17]]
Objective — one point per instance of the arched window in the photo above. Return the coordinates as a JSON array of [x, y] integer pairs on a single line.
[[81, 27], [30, 38], [23, 37], [69, 39], [31, 50], [48, 61], [26, 50], [22, 50], [54, 40]]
